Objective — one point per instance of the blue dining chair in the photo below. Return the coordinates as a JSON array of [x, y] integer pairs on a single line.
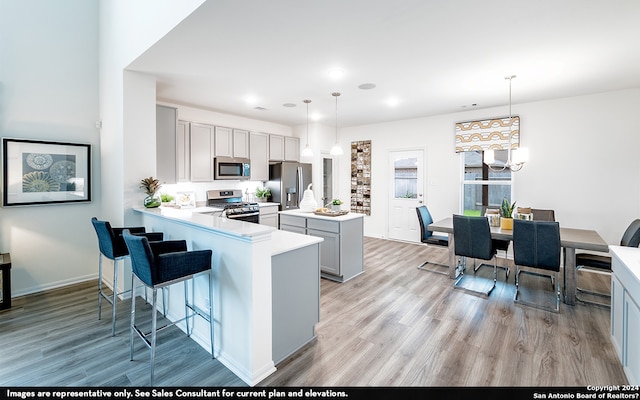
[[536, 245], [472, 239], [429, 238]]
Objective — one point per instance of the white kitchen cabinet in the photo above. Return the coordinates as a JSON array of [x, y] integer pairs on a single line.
[[240, 143], [276, 148], [625, 309], [269, 215], [202, 152], [284, 148], [166, 126], [259, 155], [223, 143], [183, 159], [341, 251], [291, 148]]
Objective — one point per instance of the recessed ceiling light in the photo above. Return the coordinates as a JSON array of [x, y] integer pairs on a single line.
[[259, 108], [251, 99], [315, 116], [392, 102], [336, 73], [288, 105], [367, 86]]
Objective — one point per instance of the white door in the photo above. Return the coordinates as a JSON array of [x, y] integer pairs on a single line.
[[406, 173]]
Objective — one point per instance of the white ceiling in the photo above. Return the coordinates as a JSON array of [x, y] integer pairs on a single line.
[[434, 56]]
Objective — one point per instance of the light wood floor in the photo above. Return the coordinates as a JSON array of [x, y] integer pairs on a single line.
[[394, 325]]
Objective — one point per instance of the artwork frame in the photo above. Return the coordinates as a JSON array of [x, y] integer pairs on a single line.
[[39, 172], [361, 177]]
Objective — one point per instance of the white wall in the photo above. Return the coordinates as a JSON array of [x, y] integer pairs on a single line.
[[127, 29], [49, 91], [583, 160]]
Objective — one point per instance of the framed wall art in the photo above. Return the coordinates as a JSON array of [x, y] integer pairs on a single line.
[[361, 177], [38, 172]]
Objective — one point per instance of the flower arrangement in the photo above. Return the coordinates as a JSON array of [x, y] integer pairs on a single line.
[[336, 202]]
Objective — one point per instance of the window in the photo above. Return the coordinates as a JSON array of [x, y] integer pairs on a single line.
[[406, 178], [483, 188]]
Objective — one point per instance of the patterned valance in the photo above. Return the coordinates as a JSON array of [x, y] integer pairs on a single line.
[[489, 134]]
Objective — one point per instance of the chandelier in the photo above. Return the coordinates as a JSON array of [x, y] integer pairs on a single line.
[[516, 158]]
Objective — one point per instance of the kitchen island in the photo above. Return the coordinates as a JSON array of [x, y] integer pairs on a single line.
[[257, 320], [342, 250]]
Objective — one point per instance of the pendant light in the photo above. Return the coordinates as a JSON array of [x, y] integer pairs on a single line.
[[516, 158], [336, 150], [307, 152]]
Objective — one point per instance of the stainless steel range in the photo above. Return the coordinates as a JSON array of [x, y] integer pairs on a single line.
[[230, 202]]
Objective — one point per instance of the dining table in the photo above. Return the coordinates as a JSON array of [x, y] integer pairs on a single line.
[[571, 239]]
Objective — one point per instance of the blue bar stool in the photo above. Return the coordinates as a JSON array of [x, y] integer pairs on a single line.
[[161, 264], [112, 246]]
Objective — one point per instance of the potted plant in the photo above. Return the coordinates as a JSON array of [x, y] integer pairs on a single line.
[[151, 187], [167, 199], [262, 193], [506, 214], [335, 205]]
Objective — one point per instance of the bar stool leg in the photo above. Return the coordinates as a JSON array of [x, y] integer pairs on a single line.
[[186, 306], [99, 286], [154, 317], [115, 297], [132, 322], [211, 311]]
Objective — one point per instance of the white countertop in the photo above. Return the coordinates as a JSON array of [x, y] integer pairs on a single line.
[[630, 256], [283, 241], [346, 217], [194, 216]]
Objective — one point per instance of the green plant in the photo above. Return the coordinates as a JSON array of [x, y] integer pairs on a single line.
[[166, 198], [262, 192], [150, 185], [336, 202], [506, 210]]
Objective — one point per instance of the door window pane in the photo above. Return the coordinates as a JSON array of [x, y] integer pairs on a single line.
[[406, 178]]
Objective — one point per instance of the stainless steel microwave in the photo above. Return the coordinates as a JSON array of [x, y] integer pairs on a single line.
[[231, 168]]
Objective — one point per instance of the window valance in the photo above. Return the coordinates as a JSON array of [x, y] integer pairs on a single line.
[[489, 134]]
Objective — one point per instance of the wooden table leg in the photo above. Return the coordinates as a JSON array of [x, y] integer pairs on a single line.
[[570, 276]]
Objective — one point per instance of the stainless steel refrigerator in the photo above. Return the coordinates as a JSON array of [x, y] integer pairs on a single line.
[[287, 183]]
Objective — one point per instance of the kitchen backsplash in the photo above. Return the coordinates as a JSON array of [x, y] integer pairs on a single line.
[[200, 188]]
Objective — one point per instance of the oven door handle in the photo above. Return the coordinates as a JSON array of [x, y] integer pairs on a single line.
[[243, 215]]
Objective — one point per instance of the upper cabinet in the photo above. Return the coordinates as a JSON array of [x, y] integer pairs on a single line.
[[202, 152], [241, 143], [259, 155], [276, 148], [183, 151], [291, 148], [231, 142], [166, 126], [284, 148], [223, 142]]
